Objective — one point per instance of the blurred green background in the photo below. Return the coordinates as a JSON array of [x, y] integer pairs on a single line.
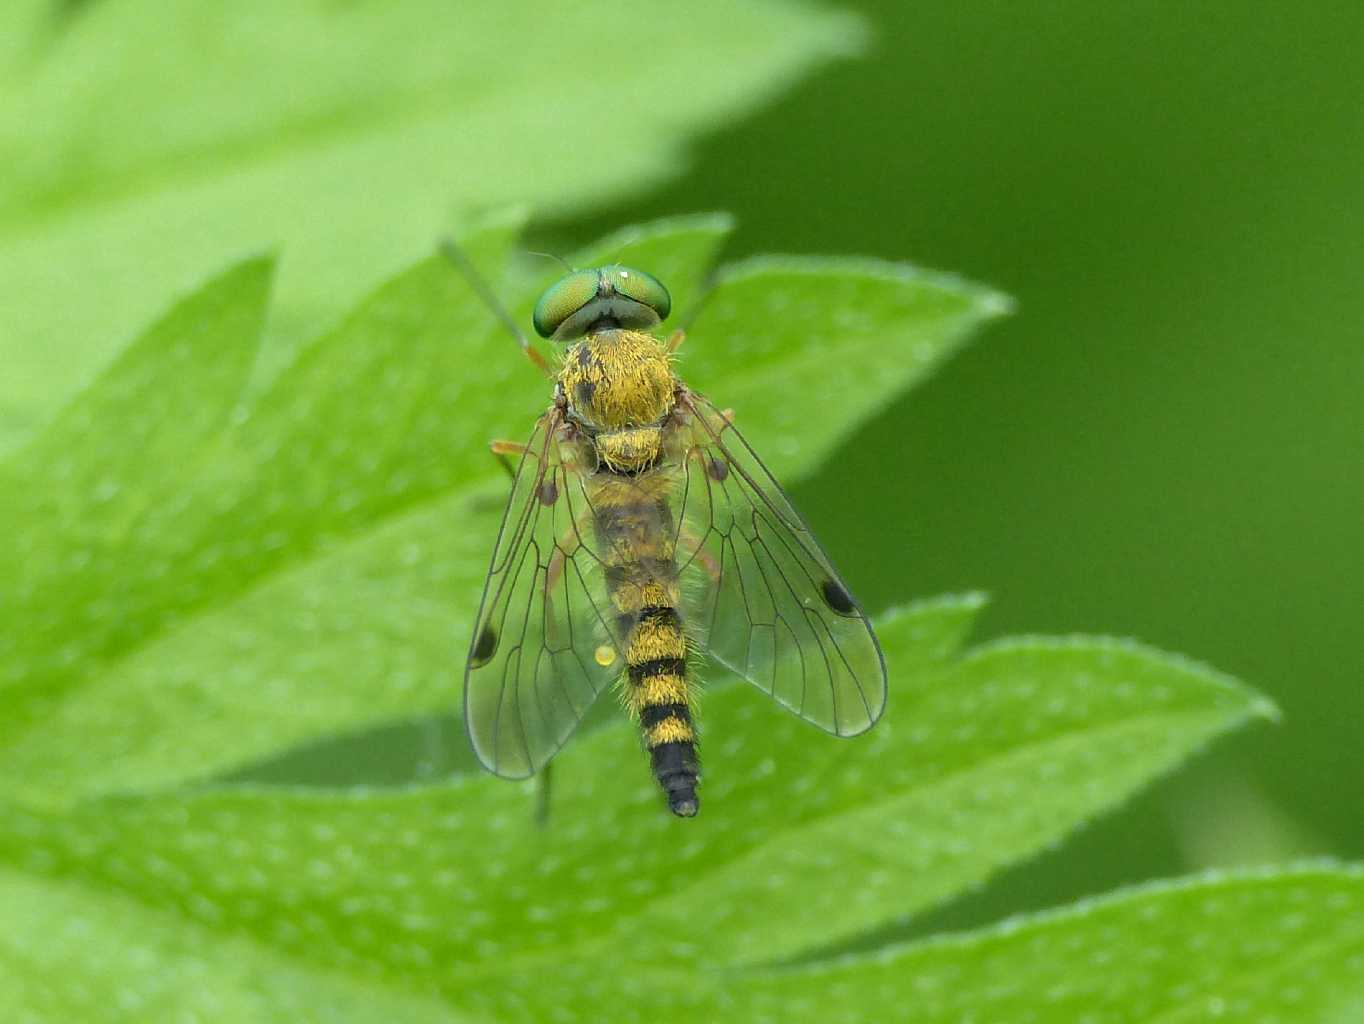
[[1166, 441]]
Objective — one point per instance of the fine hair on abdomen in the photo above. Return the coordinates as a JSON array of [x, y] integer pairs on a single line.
[[634, 531]]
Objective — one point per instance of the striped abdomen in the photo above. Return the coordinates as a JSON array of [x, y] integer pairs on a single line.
[[635, 535], [656, 667]]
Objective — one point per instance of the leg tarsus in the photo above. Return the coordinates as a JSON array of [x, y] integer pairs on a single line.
[[537, 360], [461, 262], [690, 542], [502, 449], [543, 783]]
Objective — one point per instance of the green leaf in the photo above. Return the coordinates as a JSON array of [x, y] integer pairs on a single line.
[[1278, 946], [70, 952], [93, 501], [23, 23], [346, 134], [976, 764], [454, 891], [228, 578], [842, 336]]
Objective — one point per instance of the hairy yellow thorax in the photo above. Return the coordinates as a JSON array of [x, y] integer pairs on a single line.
[[620, 386]]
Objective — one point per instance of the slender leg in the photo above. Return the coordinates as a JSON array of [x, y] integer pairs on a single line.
[[564, 548], [689, 545], [691, 542], [543, 784], [456, 256], [675, 340], [537, 360], [502, 449]]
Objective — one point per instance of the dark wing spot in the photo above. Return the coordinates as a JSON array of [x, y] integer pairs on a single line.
[[837, 598], [484, 648], [718, 469], [549, 492]]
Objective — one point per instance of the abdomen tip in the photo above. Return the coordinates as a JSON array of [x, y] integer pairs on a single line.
[[684, 805]]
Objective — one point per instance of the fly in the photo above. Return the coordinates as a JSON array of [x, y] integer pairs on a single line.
[[642, 536]]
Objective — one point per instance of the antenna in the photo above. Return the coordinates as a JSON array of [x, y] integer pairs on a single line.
[[628, 238], [457, 256], [557, 259]]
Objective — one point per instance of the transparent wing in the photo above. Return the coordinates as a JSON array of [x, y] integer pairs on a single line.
[[542, 633], [760, 595]]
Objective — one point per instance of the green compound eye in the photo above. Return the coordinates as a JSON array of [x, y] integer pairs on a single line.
[[562, 299], [644, 288], [613, 296]]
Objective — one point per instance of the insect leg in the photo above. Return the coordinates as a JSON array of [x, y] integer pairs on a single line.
[[708, 434], [502, 449], [455, 255], [675, 340], [691, 547], [544, 780], [707, 560], [564, 548]]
